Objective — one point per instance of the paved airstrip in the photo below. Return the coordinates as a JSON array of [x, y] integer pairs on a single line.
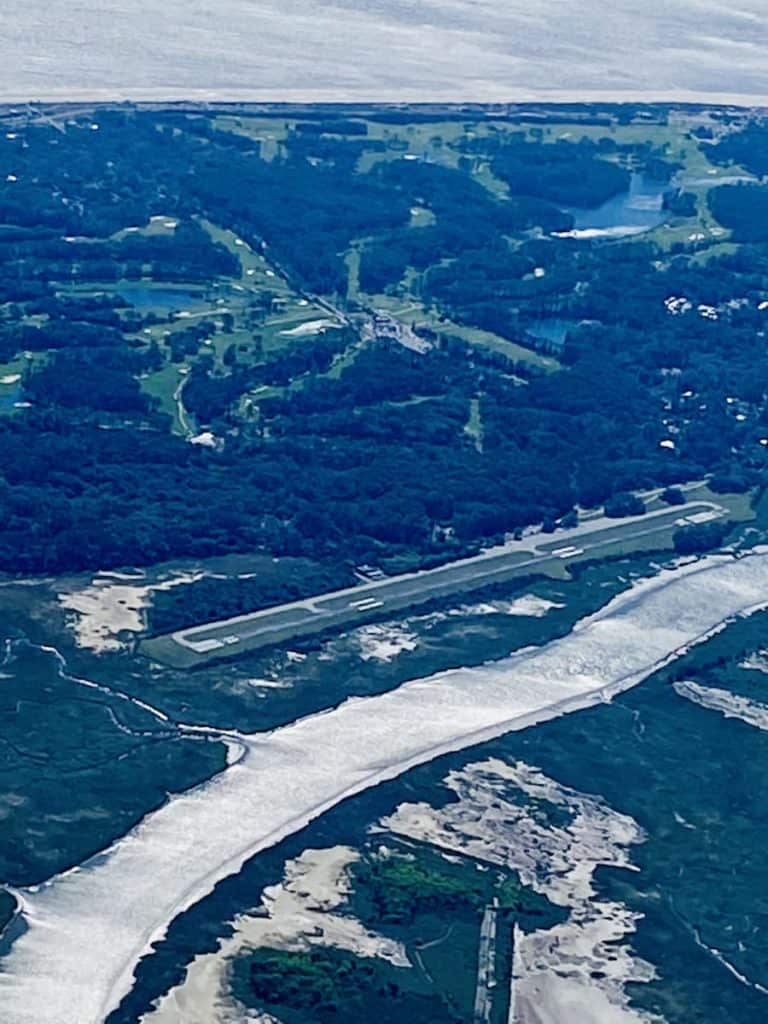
[[339, 609]]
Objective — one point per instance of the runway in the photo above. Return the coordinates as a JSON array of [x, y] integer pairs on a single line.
[[354, 605]]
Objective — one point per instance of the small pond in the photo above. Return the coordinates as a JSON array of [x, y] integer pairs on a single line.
[[639, 209]]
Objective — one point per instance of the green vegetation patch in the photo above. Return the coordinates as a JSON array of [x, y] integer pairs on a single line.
[[400, 887], [327, 985], [214, 597]]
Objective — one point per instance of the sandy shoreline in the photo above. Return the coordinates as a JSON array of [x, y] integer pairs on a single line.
[[124, 900], [488, 94]]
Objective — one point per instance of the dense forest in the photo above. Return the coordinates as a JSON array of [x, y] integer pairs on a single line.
[[338, 445]]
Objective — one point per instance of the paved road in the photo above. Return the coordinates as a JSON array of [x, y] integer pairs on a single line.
[[486, 967], [352, 605]]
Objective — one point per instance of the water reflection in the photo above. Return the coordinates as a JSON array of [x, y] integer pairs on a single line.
[[639, 209]]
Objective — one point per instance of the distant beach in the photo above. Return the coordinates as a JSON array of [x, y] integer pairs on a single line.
[[295, 96]]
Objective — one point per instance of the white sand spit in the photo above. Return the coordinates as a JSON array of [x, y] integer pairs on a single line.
[[756, 662], [527, 605], [295, 914], [105, 610], [730, 705], [383, 642]]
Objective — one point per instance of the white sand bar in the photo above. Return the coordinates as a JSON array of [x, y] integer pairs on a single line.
[[88, 928]]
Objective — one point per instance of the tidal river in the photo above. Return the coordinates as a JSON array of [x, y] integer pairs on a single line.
[[86, 929]]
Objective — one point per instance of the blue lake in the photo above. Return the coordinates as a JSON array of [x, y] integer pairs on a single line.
[[144, 297], [639, 209], [9, 395], [551, 329]]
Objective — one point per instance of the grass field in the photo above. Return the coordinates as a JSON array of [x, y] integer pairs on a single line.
[[409, 307], [259, 276], [267, 132], [163, 385], [474, 426]]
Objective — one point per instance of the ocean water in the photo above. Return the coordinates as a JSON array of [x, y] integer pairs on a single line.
[[384, 49]]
